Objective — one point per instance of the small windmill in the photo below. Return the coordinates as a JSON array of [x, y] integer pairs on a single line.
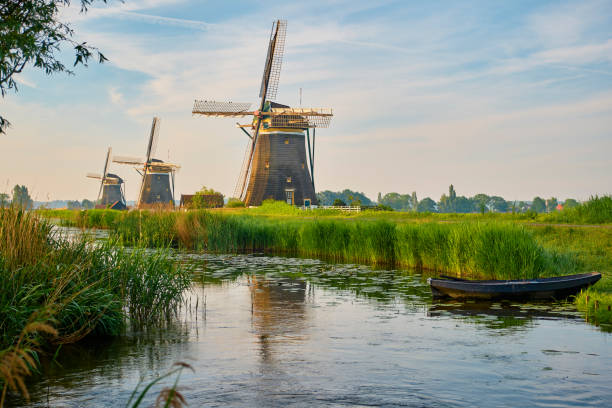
[[157, 186], [274, 164], [111, 187]]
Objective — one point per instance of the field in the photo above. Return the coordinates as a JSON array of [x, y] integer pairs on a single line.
[[490, 245]]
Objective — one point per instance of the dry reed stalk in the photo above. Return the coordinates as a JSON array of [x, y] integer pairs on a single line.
[[17, 362]]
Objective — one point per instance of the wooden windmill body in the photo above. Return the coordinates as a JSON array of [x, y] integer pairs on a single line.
[[111, 187], [157, 185], [276, 164]]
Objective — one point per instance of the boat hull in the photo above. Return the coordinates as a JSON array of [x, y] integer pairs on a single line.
[[535, 289]]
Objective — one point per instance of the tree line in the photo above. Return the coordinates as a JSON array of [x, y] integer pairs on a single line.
[[479, 203], [21, 198], [448, 203]]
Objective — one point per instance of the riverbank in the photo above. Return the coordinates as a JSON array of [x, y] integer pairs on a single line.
[[56, 291], [491, 246]]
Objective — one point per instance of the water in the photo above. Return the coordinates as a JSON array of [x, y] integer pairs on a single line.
[[280, 332]]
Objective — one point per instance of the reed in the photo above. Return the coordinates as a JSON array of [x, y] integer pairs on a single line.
[[597, 210], [492, 250], [80, 288]]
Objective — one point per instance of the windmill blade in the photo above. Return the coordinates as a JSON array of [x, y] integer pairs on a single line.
[[153, 137], [301, 118], [243, 172], [108, 158], [214, 108], [269, 85], [142, 185], [107, 162], [128, 160], [274, 60], [94, 176]]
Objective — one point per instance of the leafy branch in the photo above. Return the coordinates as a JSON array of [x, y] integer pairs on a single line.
[[31, 33]]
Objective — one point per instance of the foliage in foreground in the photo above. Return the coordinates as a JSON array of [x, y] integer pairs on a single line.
[[32, 33], [56, 291]]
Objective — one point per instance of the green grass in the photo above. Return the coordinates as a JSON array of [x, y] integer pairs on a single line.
[[592, 247], [473, 249], [489, 245], [54, 290]]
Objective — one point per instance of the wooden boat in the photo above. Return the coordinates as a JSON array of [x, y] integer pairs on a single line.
[[545, 288]]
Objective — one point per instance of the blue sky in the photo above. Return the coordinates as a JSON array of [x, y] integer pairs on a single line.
[[508, 98]]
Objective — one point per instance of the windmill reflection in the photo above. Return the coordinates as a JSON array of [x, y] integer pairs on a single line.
[[279, 313]]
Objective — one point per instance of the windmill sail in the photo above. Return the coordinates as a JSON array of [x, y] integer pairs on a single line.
[[269, 86], [151, 147], [108, 158], [243, 171], [128, 160], [274, 60], [214, 108]]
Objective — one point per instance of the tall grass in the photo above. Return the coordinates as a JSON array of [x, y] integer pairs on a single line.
[[75, 288], [477, 249], [597, 210]]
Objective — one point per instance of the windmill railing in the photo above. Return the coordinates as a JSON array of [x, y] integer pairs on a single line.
[[348, 208]]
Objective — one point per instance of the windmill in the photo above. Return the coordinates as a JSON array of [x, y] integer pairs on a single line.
[[157, 186], [111, 187], [275, 164]]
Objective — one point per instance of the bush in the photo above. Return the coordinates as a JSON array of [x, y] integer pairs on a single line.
[[234, 203]]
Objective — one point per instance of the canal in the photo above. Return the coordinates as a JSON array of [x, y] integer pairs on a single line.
[[276, 332]]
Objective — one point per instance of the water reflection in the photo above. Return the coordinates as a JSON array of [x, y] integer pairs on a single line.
[[287, 331], [503, 316], [278, 311]]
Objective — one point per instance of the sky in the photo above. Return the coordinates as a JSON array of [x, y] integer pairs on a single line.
[[504, 98]]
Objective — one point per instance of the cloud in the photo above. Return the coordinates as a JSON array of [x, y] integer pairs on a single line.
[[115, 96], [23, 81], [432, 92]]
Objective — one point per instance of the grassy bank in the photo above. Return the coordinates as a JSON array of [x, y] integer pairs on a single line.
[[55, 291], [592, 247], [471, 249], [596, 211], [472, 245]]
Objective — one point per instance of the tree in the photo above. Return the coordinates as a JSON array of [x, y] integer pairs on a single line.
[[354, 201], [444, 205], [481, 202], [414, 202], [339, 203], [400, 202], [451, 193], [522, 206], [427, 205], [87, 204], [499, 204], [21, 197], [203, 199], [4, 200], [73, 205], [538, 205], [328, 197], [570, 203], [551, 204], [31, 33], [448, 202], [464, 205], [379, 199]]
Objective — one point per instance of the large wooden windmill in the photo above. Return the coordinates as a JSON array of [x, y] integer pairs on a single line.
[[157, 186], [111, 187], [275, 163]]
